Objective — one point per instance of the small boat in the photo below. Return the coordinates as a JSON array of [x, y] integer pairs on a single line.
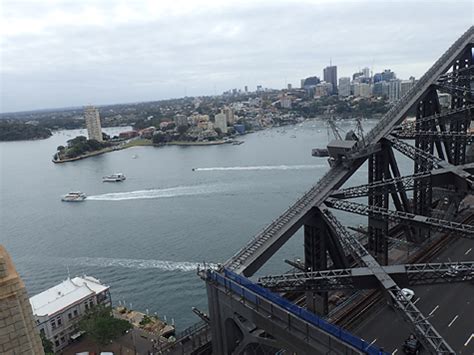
[[74, 197], [237, 142], [134, 156], [293, 136], [114, 178], [320, 152]]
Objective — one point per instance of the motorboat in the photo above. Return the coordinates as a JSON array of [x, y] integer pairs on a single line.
[[74, 197], [117, 177]]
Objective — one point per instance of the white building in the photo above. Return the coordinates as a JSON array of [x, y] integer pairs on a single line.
[[94, 130], [285, 102], [58, 309], [229, 114], [394, 90], [344, 88], [365, 90], [220, 121], [405, 86], [366, 72]]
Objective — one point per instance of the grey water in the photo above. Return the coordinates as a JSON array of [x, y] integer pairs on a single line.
[[145, 236]]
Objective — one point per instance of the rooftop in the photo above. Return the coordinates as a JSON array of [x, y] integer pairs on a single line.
[[65, 294]]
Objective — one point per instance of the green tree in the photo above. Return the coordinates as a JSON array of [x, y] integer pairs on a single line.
[[182, 129], [47, 344], [101, 326], [158, 138]]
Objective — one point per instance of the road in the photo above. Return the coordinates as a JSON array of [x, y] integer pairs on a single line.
[[450, 308]]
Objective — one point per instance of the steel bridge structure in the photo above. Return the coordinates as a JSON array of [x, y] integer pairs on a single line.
[[249, 316]]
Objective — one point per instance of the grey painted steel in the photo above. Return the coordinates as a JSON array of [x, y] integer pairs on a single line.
[[464, 230], [427, 334], [363, 278], [258, 250]]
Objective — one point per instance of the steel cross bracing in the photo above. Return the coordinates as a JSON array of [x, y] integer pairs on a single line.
[[363, 278], [427, 334], [463, 230], [269, 240], [415, 153], [449, 115], [389, 185], [437, 135]]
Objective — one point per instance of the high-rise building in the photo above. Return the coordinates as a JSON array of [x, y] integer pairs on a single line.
[[330, 76], [323, 89], [380, 89], [344, 88], [246, 89], [302, 83], [406, 85], [94, 130], [366, 72], [394, 90], [289, 86], [18, 332], [229, 115], [220, 121]]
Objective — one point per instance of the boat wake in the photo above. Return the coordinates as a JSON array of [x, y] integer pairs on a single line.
[[160, 193], [263, 167], [138, 264]]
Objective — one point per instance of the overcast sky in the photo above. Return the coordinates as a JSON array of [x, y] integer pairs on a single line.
[[59, 53]]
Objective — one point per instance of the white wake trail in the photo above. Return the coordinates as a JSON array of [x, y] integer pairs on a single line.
[[159, 193], [139, 264], [262, 167]]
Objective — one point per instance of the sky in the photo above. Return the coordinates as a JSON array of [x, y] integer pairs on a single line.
[[63, 53]]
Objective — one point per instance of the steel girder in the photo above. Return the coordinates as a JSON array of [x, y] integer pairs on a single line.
[[403, 183], [429, 160], [434, 135], [449, 115], [363, 277], [427, 334], [463, 230]]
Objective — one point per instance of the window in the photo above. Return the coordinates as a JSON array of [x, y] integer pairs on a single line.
[[75, 313], [56, 342], [42, 331], [69, 315], [53, 324], [62, 339], [87, 306], [59, 321]]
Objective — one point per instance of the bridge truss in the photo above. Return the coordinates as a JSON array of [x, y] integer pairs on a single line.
[[247, 317]]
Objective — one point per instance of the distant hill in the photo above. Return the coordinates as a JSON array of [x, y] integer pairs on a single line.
[[16, 131]]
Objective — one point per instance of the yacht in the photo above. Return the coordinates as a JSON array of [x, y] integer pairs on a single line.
[[74, 197], [114, 178]]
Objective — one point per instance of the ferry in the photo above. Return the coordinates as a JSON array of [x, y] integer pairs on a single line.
[[114, 178], [74, 197]]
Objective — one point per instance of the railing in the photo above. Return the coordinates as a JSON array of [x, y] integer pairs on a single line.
[[257, 295]]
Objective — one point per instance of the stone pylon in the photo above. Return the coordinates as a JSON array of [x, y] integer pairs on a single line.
[[18, 332]]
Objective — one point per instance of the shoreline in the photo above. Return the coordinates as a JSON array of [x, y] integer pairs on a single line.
[[139, 143]]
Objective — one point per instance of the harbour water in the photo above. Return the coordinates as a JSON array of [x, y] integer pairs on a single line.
[[145, 236]]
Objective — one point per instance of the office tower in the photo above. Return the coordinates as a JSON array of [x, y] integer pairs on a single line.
[[94, 130], [394, 90], [289, 86], [330, 76], [344, 88]]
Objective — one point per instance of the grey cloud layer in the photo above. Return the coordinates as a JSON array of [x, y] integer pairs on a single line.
[[212, 49]]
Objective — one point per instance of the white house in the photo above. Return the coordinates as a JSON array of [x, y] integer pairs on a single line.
[[58, 309]]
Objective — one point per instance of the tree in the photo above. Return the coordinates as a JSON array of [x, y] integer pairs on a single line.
[[218, 131], [47, 344], [182, 129], [158, 138], [101, 326]]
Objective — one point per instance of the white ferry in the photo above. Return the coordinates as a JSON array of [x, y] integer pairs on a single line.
[[74, 197], [114, 178]]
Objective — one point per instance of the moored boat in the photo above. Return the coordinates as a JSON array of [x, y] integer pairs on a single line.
[[114, 177], [74, 197]]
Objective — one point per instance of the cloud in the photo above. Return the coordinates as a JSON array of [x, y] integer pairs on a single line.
[[66, 53]]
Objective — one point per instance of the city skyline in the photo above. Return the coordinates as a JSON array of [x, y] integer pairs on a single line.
[[103, 53]]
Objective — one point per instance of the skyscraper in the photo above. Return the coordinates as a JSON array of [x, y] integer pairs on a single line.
[[394, 90], [18, 332], [344, 88], [94, 130], [330, 76]]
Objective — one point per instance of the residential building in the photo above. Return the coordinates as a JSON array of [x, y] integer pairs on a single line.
[[128, 134], [94, 130], [180, 120], [380, 89], [406, 85], [285, 101], [394, 90], [58, 309], [220, 121], [18, 332], [323, 89], [344, 88], [330, 76], [147, 133], [229, 114]]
